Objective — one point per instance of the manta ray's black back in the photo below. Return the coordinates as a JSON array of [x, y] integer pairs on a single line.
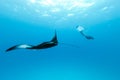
[[53, 42]]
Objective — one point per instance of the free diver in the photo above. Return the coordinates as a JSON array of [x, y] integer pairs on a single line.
[[81, 29]]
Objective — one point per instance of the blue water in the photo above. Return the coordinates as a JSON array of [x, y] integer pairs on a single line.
[[35, 21]]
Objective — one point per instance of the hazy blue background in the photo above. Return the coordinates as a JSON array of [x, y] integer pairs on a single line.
[[34, 21]]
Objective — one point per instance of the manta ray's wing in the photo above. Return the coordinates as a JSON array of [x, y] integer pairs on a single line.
[[22, 46], [54, 39], [47, 44], [12, 48]]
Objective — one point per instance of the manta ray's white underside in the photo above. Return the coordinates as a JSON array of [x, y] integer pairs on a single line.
[[24, 46]]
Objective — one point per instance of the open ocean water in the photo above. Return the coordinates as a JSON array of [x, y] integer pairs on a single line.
[[75, 57]]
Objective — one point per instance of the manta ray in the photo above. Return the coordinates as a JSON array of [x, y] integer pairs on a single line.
[[81, 29], [48, 44]]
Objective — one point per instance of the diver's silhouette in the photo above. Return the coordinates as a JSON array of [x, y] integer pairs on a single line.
[[44, 45], [81, 29]]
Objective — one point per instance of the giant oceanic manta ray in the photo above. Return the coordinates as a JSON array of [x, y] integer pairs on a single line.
[[53, 42], [81, 29]]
